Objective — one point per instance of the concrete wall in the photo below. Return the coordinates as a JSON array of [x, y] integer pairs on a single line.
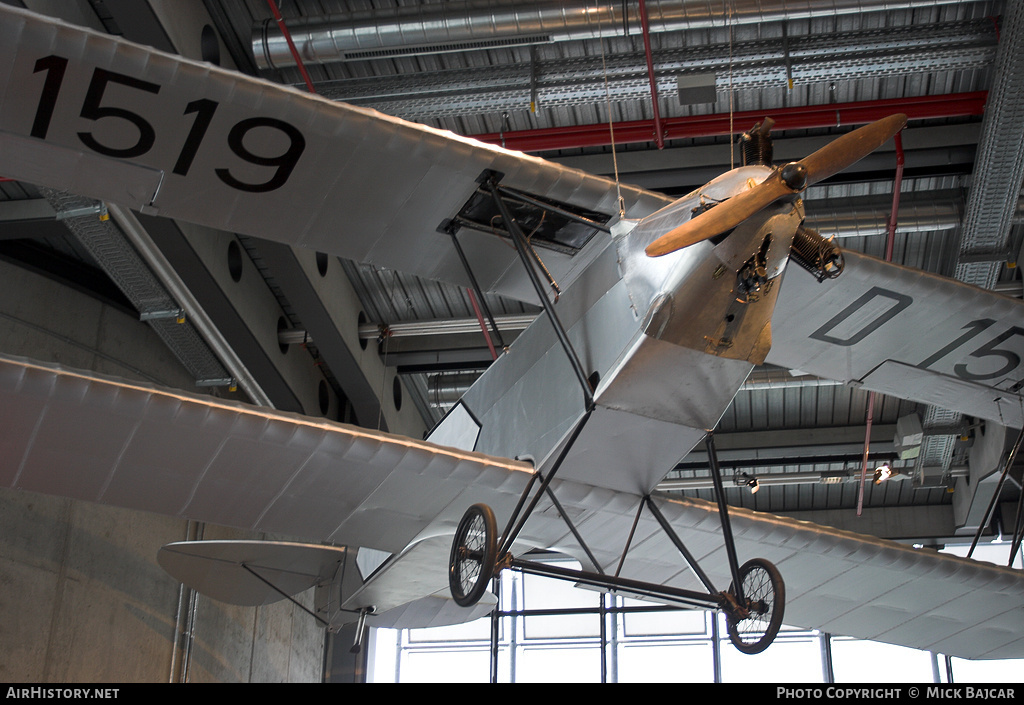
[[82, 598]]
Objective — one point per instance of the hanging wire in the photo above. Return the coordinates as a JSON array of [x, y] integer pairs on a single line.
[[608, 108], [732, 107], [383, 382]]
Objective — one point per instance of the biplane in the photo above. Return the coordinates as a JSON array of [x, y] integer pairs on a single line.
[[654, 312]]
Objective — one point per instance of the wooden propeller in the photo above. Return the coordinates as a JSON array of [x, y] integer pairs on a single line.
[[790, 179]]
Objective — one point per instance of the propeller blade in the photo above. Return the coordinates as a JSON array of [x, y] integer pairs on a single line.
[[720, 218], [793, 178], [851, 148]]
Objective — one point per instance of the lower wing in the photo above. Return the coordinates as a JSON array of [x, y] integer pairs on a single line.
[[83, 436]]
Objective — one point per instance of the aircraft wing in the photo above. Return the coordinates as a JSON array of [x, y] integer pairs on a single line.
[[907, 333], [836, 581], [84, 436], [104, 118]]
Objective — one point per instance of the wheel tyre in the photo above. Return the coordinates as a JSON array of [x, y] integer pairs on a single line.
[[474, 551], [765, 592]]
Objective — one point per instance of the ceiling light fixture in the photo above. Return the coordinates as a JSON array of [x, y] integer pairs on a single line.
[[751, 483]]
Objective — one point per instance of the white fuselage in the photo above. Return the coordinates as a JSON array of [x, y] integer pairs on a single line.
[[665, 338]]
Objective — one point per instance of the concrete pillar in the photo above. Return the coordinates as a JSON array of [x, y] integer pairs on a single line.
[[82, 598]]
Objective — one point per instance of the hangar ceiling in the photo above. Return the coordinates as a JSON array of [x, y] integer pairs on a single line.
[[547, 78]]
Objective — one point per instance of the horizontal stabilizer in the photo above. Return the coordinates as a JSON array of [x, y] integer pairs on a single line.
[[250, 572]]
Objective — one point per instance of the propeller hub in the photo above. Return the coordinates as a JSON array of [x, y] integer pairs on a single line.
[[794, 175]]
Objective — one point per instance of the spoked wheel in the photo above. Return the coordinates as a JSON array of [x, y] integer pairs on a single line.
[[474, 550], [754, 627]]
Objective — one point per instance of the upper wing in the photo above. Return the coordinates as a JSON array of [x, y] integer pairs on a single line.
[[80, 435], [108, 119], [907, 333]]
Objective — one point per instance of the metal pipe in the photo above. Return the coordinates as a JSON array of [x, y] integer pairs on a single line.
[[521, 247], [291, 45], [666, 593], [604, 639], [203, 323], [890, 241], [674, 538], [185, 615], [659, 138], [995, 495], [408, 329], [575, 532], [483, 324], [864, 460], [780, 478], [723, 513], [495, 631], [471, 24], [897, 185], [511, 534], [524, 198], [476, 287]]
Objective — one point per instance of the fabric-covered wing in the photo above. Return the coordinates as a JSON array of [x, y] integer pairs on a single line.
[[836, 581], [104, 118], [906, 333], [83, 436]]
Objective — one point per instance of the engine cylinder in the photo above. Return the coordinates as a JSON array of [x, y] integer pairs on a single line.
[[818, 255]]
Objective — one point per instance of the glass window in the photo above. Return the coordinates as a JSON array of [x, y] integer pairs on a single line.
[[994, 671], [645, 646], [478, 630], [559, 664], [856, 661], [669, 662], [540, 593], [668, 622], [794, 657], [446, 666], [997, 552]]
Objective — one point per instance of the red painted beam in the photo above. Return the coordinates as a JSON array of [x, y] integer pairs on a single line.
[[659, 135], [793, 118]]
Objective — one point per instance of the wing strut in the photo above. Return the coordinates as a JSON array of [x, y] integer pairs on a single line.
[[522, 250], [1015, 544], [285, 595], [723, 513], [476, 286]]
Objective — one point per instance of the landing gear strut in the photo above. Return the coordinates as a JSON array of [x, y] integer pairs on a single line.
[[753, 605]]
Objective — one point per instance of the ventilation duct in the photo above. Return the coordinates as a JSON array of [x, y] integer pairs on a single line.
[[471, 24], [866, 217]]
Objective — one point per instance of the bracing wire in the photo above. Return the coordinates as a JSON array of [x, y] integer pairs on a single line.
[[608, 109], [732, 106]]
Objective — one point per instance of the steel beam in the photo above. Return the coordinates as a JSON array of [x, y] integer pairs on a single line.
[[792, 118]]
